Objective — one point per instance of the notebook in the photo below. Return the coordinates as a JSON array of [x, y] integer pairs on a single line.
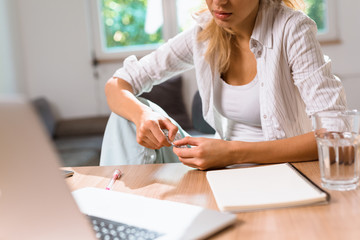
[[35, 202], [263, 187]]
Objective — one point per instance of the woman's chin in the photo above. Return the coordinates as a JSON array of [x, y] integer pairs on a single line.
[[222, 24]]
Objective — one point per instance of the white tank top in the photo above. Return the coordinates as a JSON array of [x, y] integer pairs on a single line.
[[241, 105]]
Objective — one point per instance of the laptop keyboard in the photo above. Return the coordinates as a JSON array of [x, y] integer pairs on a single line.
[[111, 230]]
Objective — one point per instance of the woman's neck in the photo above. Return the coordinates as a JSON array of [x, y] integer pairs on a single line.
[[245, 29]]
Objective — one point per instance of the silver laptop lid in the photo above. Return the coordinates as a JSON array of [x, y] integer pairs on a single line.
[[35, 202]]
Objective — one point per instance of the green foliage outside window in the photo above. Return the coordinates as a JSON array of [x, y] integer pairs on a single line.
[[124, 22], [316, 10]]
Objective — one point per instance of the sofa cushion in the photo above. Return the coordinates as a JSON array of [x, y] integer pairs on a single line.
[[81, 127], [198, 120], [80, 150], [80, 157]]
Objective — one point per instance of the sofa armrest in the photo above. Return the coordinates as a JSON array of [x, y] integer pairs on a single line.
[[81, 127], [43, 109]]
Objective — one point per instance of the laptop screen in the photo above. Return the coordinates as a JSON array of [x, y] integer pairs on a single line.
[[35, 202]]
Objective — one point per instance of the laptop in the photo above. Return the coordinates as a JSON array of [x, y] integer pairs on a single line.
[[36, 203]]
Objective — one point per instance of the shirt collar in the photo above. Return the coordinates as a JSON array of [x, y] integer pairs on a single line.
[[263, 29]]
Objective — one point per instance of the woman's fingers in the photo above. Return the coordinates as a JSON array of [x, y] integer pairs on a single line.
[[185, 152], [192, 141], [150, 133], [173, 129], [205, 154], [160, 137], [154, 139]]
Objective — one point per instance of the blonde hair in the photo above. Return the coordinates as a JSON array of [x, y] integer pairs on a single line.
[[222, 40]]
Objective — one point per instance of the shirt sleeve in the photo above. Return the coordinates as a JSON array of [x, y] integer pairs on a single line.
[[311, 70], [170, 59]]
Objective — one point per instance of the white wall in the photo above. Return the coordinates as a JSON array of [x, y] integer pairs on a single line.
[[345, 54], [57, 54], [9, 56], [55, 46]]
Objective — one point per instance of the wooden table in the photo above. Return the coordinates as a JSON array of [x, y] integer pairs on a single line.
[[340, 219]]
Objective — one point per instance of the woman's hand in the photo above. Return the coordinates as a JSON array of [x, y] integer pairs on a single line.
[[206, 153], [121, 100], [214, 153], [149, 130]]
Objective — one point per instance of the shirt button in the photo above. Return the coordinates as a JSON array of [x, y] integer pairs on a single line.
[[254, 44], [265, 116], [262, 84], [259, 53]]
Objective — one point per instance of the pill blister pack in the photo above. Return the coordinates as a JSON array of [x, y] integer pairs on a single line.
[[177, 137]]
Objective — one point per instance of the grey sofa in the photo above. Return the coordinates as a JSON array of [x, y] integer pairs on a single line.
[[79, 140]]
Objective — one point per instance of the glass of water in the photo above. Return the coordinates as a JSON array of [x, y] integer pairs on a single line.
[[338, 141]]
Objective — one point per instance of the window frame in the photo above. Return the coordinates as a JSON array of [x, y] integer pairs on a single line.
[[170, 29], [332, 35]]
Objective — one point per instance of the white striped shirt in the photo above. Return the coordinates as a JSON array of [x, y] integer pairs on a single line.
[[295, 79]]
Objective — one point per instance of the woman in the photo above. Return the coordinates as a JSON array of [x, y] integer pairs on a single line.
[[260, 73]]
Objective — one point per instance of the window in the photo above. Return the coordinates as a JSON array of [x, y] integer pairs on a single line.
[[127, 23], [320, 11], [124, 27]]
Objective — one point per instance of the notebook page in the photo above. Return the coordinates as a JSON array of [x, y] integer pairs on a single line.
[[261, 187]]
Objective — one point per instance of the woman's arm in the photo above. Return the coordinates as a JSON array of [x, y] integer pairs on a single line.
[[122, 101], [215, 153], [319, 88], [168, 60]]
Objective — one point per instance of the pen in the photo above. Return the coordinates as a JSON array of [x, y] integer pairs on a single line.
[[116, 175]]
